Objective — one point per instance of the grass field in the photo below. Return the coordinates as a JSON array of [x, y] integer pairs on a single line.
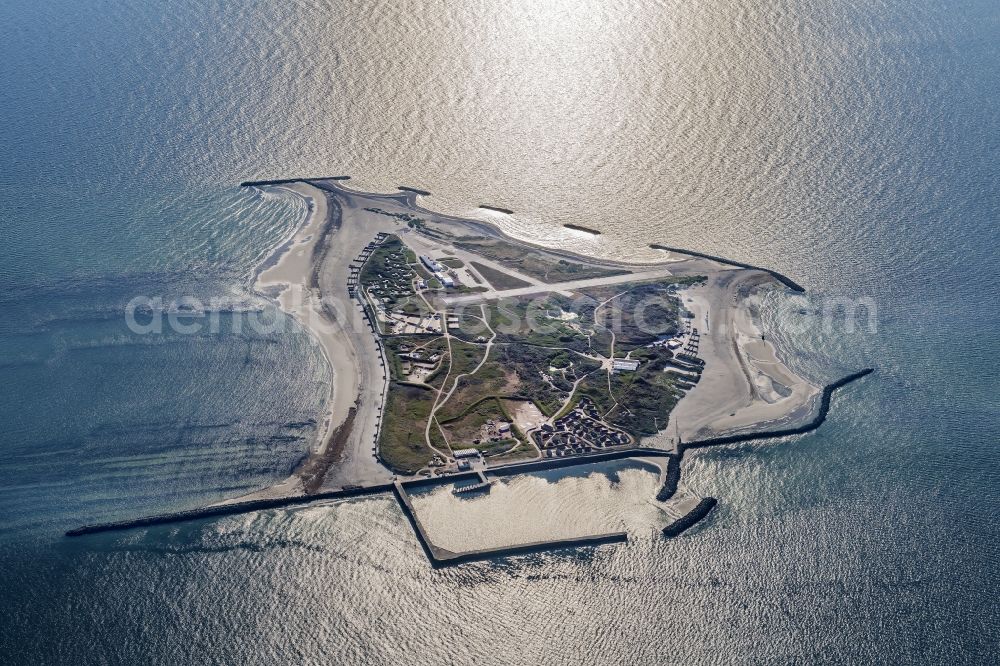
[[535, 263], [498, 279], [401, 442]]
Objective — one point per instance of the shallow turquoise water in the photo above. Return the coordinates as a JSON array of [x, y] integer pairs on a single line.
[[852, 147]]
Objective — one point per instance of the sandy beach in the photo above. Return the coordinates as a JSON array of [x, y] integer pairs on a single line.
[[745, 385]]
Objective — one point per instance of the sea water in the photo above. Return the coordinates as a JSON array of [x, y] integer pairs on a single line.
[[851, 146]]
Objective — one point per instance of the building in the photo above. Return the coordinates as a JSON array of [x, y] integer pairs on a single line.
[[625, 364], [466, 453], [447, 281], [431, 265]]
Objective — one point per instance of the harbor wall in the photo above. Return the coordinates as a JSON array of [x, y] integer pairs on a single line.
[[534, 547], [671, 479], [703, 508]]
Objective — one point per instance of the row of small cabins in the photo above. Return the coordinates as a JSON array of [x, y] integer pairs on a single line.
[[580, 431]]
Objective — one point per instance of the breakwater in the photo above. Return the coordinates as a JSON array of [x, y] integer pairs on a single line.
[[497, 209], [688, 520], [535, 547], [414, 190], [285, 181], [783, 279], [433, 553], [817, 421], [577, 227], [586, 459], [228, 509], [671, 479], [442, 557]]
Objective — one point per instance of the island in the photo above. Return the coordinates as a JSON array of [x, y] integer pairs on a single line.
[[460, 353]]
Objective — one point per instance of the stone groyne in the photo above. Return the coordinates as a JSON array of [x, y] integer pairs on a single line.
[[703, 508], [497, 209], [535, 547], [228, 509], [817, 421], [577, 227], [586, 459], [706, 505], [671, 479], [285, 181], [415, 190], [783, 279]]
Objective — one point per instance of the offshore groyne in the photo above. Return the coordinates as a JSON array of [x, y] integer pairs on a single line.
[[424, 193], [783, 279], [285, 181], [692, 517], [496, 209], [577, 227]]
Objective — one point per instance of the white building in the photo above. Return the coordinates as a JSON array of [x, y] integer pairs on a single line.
[[624, 364], [431, 265]]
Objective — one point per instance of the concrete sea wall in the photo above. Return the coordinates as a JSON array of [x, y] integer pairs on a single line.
[[783, 279]]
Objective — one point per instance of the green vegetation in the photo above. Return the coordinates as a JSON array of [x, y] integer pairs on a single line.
[[548, 350], [387, 274], [536, 263], [402, 350], [465, 357], [498, 279], [466, 429], [545, 323], [640, 401], [452, 262], [401, 441]]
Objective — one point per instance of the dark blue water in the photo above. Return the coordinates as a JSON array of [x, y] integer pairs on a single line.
[[852, 147]]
